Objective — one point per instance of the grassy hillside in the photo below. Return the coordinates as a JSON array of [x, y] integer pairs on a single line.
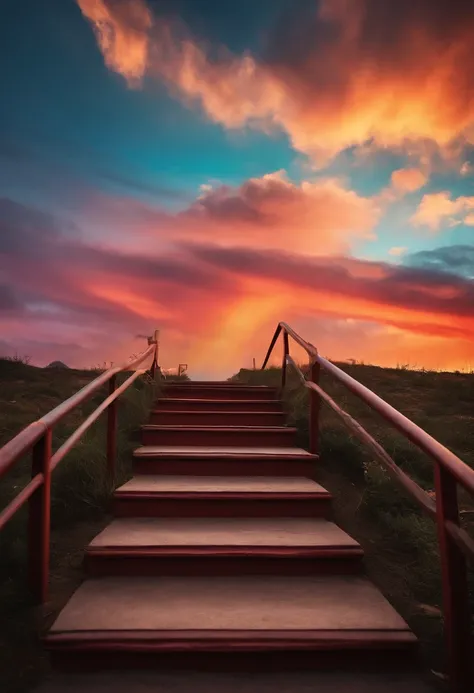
[[399, 542], [80, 495]]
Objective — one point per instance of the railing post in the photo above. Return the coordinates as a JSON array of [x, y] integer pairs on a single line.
[[314, 408], [286, 351], [39, 520], [111, 431], [154, 340], [457, 621]]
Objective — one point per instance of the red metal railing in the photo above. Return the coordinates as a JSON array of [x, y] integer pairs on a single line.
[[38, 436], [455, 544]]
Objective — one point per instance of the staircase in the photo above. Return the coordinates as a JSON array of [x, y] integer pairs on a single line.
[[222, 554]]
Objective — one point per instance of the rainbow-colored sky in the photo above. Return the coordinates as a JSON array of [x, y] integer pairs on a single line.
[[209, 168]]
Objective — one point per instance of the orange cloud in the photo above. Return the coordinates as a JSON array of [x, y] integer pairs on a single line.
[[437, 208], [408, 179], [315, 218], [121, 31], [217, 305], [343, 75], [397, 250]]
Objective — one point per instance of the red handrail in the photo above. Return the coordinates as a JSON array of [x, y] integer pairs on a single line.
[[455, 544], [38, 435]]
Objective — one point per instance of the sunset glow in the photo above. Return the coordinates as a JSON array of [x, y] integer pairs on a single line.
[[209, 170]]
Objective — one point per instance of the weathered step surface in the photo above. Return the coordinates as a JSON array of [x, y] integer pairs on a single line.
[[219, 391], [268, 621], [164, 417], [228, 405], [276, 436], [223, 546], [215, 496], [224, 461], [202, 682]]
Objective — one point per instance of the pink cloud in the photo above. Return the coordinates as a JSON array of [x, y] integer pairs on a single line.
[[314, 217], [438, 208]]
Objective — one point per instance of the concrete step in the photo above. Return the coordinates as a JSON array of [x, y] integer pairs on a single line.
[[257, 622], [223, 546], [276, 436], [223, 461], [219, 391], [213, 496], [164, 417], [194, 404]]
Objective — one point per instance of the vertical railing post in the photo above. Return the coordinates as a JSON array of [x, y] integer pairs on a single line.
[[39, 520], [286, 351], [314, 408], [156, 341], [457, 622], [112, 431]]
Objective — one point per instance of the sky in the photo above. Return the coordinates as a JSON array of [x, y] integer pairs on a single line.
[[209, 169]]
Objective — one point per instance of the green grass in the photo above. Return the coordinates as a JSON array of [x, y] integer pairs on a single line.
[[400, 543], [79, 505]]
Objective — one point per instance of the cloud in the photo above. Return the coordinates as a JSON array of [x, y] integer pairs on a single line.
[[454, 259], [397, 250], [200, 291], [24, 230], [332, 75], [407, 180], [438, 208], [403, 181], [9, 302], [469, 219], [314, 217], [121, 29]]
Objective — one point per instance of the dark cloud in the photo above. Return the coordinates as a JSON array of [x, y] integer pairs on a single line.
[[9, 301], [25, 230], [456, 259], [382, 34]]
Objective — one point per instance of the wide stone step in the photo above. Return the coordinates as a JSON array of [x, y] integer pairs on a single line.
[[212, 496], [222, 546], [224, 461], [164, 417], [219, 391], [231, 405], [308, 622], [276, 436]]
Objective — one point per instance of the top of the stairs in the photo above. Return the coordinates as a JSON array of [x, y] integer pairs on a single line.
[[219, 450]]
